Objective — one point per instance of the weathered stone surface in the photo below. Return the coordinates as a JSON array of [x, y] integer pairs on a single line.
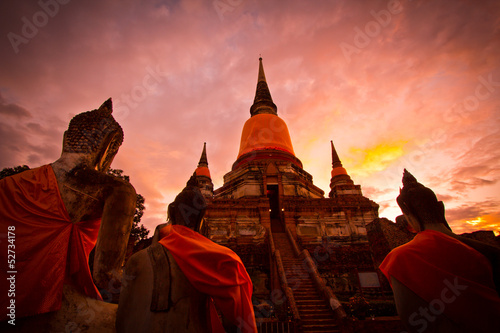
[[78, 313], [385, 235], [186, 307]]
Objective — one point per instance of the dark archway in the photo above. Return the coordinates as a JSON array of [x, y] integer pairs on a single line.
[[274, 206]]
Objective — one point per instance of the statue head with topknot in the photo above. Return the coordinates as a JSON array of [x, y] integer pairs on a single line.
[[420, 202], [96, 135], [188, 207]]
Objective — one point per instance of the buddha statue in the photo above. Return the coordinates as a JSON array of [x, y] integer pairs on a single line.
[[176, 284], [58, 212]]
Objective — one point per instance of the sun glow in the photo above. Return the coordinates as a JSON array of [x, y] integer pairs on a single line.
[[475, 221], [366, 161], [485, 222]]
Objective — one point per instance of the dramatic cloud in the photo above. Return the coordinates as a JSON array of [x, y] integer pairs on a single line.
[[13, 110], [395, 84]]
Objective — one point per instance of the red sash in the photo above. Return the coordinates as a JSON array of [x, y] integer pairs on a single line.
[[49, 249], [441, 269], [213, 270]]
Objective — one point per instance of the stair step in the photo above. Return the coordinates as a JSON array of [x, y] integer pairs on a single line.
[[312, 308], [304, 289], [297, 287], [300, 288], [304, 297], [309, 302], [318, 315], [314, 329], [310, 294], [316, 325]]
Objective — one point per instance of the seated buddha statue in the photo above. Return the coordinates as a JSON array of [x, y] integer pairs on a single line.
[[183, 280], [58, 213]]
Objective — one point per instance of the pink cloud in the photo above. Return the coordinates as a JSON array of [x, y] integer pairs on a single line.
[[405, 85]]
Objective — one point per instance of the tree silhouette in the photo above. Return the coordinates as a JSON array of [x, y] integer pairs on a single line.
[[6, 172]]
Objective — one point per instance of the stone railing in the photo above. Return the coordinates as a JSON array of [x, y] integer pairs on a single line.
[[295, 248], [286, 288], [276, 260], [325, 291]]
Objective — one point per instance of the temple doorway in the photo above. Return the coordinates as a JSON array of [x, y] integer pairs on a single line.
[[274, 207]]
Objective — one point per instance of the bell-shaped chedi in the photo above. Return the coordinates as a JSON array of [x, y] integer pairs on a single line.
[[341, 183], [265, 134]]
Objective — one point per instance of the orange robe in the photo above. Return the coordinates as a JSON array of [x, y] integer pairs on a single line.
[[49, 249], [448, 274], [213, 270]]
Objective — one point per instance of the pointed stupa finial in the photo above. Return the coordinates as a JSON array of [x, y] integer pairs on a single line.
[[263, 102], [339, 173], [203, 159], [335, 157]]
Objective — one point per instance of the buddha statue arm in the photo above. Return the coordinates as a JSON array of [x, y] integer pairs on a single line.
[[116, 223]]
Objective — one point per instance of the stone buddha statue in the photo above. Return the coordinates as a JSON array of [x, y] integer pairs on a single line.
[[176, 284], [59, 212], [156, 296]]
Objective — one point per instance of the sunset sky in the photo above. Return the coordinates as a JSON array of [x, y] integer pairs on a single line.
[[395, 84]]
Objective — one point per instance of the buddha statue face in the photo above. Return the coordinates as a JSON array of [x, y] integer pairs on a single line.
[[95, 135]]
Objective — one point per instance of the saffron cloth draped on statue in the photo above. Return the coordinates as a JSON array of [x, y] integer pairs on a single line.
[[451, 276], [49, 249], [215, 271]]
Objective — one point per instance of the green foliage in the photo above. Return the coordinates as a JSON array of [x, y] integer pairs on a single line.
[[6, 172], [138, 231]]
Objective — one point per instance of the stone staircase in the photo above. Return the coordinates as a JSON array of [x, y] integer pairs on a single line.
[[314, 311]]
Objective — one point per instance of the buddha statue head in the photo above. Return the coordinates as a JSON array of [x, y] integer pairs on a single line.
[[93, 137], [188, 207], [419, 203]]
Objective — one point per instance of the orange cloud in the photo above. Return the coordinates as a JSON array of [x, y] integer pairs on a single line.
[[484, 222], [366, 161]]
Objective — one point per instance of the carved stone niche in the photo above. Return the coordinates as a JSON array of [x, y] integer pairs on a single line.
[[249, 230], [218, 229], [309, 231], [337, 230]]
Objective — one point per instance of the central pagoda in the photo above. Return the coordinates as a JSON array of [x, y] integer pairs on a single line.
[[268, 203], [266, 166], [265, 134]]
